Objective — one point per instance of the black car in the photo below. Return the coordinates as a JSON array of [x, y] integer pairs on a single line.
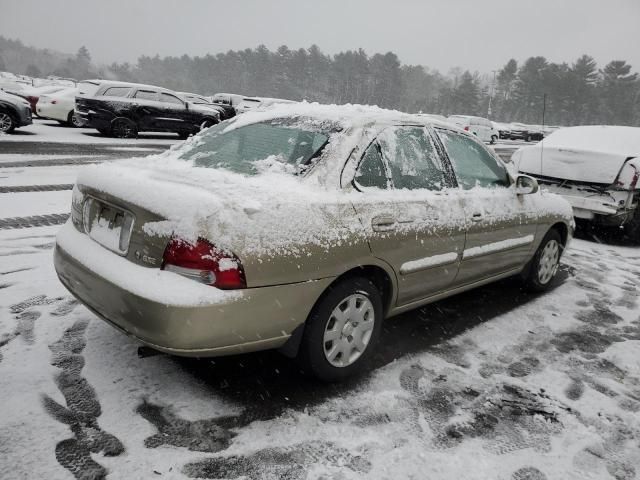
[[14, 112], [122, 110], [226, 111]]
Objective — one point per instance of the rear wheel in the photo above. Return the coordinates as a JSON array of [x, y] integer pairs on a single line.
[[73, 120], [544, 264], [124, 128], [7, 123], [494, 139], [342, 330], [527, 138]]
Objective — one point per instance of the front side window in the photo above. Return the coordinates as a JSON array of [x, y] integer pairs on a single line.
[[253, 149], [412, 158], [146, 95], [472, 163], [371, 172]]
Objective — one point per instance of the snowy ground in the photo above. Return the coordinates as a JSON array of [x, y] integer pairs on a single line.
[[491, 384]]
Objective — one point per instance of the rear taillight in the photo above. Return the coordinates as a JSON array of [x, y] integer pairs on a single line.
[[205, 263], [466, 129], [54, 101]]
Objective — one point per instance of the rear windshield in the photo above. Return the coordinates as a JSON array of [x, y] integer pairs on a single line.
[[87, 88], [256, 148]]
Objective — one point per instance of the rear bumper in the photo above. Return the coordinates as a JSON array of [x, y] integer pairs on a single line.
[[193, 322], [613, 207]]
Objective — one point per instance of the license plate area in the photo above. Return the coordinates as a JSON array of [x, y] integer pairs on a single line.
[[108, 224]]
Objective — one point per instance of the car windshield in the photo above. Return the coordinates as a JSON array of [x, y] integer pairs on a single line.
[[255, 148]]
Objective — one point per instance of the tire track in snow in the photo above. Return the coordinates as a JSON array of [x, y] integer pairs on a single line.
[[82, 407], [33, 221]]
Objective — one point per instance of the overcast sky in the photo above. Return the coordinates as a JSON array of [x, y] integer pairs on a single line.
[[475, 34]]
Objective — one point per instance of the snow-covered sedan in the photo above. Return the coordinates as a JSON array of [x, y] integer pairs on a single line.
[[301, 228], [60, 106], [595, 168]]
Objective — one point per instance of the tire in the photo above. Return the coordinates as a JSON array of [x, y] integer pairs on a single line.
[[122, 127], [544, 265], [325, 357], [494, 139], [527, 138], [632, 227], [207, 122], [73, 121], [7, 122]]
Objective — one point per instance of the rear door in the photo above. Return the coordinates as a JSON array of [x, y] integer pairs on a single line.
[[409, 218], [175, 116], [501, 225], [146, 109]]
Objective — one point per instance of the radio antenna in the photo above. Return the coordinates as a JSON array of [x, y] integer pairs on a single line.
[[544, 110]]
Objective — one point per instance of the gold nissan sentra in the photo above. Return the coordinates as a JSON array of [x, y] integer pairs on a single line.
[[301, 228]]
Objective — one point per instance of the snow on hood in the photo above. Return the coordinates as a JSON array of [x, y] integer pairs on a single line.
[[587, 154]]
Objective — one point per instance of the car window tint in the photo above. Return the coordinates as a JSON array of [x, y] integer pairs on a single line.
[[412, 158], [167, 98], [116, 91], [473, 165], [371, 171], [146, 95]]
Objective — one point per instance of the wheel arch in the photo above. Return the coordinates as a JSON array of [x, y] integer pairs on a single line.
[[379, 276]]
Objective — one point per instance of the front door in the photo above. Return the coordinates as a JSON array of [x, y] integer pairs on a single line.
[[501, 225], [410, 220]]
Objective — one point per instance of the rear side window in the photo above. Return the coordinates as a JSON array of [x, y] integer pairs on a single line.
[[146, 95], [116, 91], [473, 165], [412, 158], [168, 98], [371, 172]]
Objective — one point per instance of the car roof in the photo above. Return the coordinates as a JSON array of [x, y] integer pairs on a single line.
[[347, 116]]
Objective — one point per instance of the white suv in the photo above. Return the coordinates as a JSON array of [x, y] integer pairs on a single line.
[[480, 127]]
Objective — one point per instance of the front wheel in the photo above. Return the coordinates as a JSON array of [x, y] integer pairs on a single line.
[[342, 330], [7, 123], [208, 122], [494, 139], [544, 264]]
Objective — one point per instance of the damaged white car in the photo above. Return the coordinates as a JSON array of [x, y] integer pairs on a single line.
[[595, 168]]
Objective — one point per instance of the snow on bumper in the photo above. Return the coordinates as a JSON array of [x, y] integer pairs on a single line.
[[174, 314]]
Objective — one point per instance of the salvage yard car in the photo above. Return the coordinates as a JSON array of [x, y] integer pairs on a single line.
[[122, 110], [301, 228], [595, 168]]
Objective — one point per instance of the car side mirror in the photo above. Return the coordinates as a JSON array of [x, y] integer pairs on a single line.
[[526, 185]]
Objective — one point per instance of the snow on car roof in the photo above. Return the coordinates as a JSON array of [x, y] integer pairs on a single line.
[[349, 115], [598, 138]]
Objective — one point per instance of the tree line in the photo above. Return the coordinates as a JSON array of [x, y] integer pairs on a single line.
[[570, 94]]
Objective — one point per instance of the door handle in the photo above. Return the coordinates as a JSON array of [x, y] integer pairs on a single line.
[[383, 223], [476, 217]]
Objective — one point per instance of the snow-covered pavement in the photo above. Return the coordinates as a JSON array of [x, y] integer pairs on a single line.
[[492, 384], [540, 387]]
